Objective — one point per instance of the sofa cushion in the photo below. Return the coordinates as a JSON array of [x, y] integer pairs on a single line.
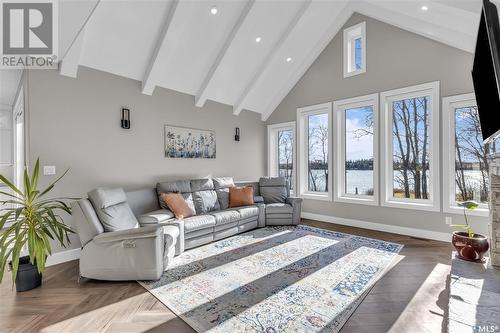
[[205, 201], [279, 208], [155, 217], [204, 196], [180, 186], [223, 182], [202, 184], [112, 209], [240, 196], [223, 197], [198, 222], [226, 216], [273, 189], [247, 212], [222, 185]]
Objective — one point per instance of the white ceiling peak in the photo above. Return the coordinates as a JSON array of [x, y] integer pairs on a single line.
[[201, 97]]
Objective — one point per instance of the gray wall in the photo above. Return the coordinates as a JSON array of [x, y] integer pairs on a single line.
[[75, 123], [395, 59]]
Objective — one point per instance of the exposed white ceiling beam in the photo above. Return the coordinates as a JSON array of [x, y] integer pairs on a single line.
[[333, 29], [384, 12], [238, 107], [68, 65], [148, 85], [201, 96]]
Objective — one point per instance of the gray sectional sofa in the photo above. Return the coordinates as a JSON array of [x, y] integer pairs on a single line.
[[133, 235]]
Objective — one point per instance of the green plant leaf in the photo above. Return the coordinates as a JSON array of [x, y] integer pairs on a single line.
[[10, 185], [459, 226], [3, 262], [27, 183], [16, 250], [53, 184], [470, 204], [9, 195], [36, 173], [4, 218]]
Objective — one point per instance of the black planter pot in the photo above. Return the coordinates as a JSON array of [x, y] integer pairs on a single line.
[[27, 275]]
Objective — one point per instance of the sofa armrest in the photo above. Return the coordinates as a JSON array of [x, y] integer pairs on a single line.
[[155, 217], [179, 246], [133, 254], [129, 234], [293, 201], [296, 204]]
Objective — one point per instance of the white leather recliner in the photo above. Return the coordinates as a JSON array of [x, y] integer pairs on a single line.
[[114, 246]]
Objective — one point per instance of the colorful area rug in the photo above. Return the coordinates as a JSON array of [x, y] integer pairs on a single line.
[[274, 279]]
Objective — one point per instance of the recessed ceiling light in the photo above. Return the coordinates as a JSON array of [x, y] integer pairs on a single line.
[[213, 10], [258, 39], [424, 8], [288, 59]]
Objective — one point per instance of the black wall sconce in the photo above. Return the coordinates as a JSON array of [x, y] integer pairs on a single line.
[[237, 134], [125, 123]]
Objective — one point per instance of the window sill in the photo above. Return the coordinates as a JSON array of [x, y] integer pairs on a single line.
[[314, 196], [484, 212], [427, 206], [362, 200], [354, 73]]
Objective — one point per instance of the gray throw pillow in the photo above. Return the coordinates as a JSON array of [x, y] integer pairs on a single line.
[[205, 201]]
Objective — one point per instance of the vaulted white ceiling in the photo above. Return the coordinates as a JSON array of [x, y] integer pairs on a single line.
[[180, 45]]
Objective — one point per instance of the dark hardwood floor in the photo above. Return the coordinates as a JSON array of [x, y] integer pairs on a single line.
[[411, 297]]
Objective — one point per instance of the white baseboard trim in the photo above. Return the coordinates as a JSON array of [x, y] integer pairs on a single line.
[[63, 256], [414, 232]]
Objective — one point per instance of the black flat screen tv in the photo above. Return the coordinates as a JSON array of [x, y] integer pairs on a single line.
[[486, 71]]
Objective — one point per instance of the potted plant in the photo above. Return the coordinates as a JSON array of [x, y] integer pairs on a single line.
[[30, 221], [470, 246]]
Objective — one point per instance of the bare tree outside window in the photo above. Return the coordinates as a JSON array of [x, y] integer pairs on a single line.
[[318, 152], [471, 163], [285, 155], [411, 148]]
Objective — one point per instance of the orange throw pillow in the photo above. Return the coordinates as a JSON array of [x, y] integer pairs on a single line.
[[176, 203], [240, 196]]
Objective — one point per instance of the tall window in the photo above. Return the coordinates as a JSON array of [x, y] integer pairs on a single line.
[[356, 150], [411, 140], [281, 148], [315, 142], [355, 50], [466, 164]]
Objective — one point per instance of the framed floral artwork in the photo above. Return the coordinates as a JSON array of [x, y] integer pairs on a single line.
[[184, 142]]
